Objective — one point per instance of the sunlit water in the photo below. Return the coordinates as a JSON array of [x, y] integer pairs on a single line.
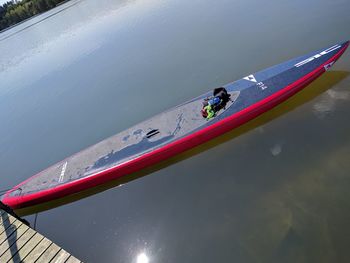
[[275, 190]]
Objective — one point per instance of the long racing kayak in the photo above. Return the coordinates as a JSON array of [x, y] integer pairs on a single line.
[[173, 131]]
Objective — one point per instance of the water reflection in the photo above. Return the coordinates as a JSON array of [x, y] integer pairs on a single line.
[[60, 47], [142, 258], [36, 20], [328, 102]]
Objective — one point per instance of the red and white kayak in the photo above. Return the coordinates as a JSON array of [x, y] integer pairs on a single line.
[[172, 131]]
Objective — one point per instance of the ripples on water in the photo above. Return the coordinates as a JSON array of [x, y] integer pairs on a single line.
[[274, 190]]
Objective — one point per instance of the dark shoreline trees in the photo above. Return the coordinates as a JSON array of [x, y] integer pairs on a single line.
[[15, 11]]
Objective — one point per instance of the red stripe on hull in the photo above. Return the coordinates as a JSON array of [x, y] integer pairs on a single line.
[[171, 149]]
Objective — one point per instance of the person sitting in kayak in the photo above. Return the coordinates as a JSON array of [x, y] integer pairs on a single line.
[[214, 104]]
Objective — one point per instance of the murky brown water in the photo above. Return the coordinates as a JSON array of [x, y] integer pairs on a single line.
[[274, 190]]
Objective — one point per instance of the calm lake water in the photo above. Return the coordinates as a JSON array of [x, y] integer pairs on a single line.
[[274, 190]]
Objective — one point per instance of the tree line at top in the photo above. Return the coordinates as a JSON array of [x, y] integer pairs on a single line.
[[15, 11]]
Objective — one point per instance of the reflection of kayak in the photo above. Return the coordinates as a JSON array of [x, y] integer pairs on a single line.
[[173, 131]]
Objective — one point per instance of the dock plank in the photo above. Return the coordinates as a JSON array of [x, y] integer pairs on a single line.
[[37, 251], [17, 245], [10, 230], [72, 259], [13, 238], [49, 254], [21, 243], [6, 222], [27, 248], [61, 257]]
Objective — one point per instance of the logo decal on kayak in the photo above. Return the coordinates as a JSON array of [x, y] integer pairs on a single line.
[[63, 171], [317, 56], [251, 78], [328, 66], [262, 85]]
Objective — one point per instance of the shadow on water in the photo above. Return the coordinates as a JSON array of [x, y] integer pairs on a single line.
[[11, 234], [325, 82]]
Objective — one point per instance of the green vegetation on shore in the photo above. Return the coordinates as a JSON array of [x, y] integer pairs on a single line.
[[14, 11]]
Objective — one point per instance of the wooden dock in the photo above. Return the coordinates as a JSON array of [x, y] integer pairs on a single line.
[[20, 243]]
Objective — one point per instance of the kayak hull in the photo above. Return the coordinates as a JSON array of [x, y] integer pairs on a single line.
[[177, 146]]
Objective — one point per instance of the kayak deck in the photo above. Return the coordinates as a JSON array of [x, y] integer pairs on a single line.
[[129, 144]]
